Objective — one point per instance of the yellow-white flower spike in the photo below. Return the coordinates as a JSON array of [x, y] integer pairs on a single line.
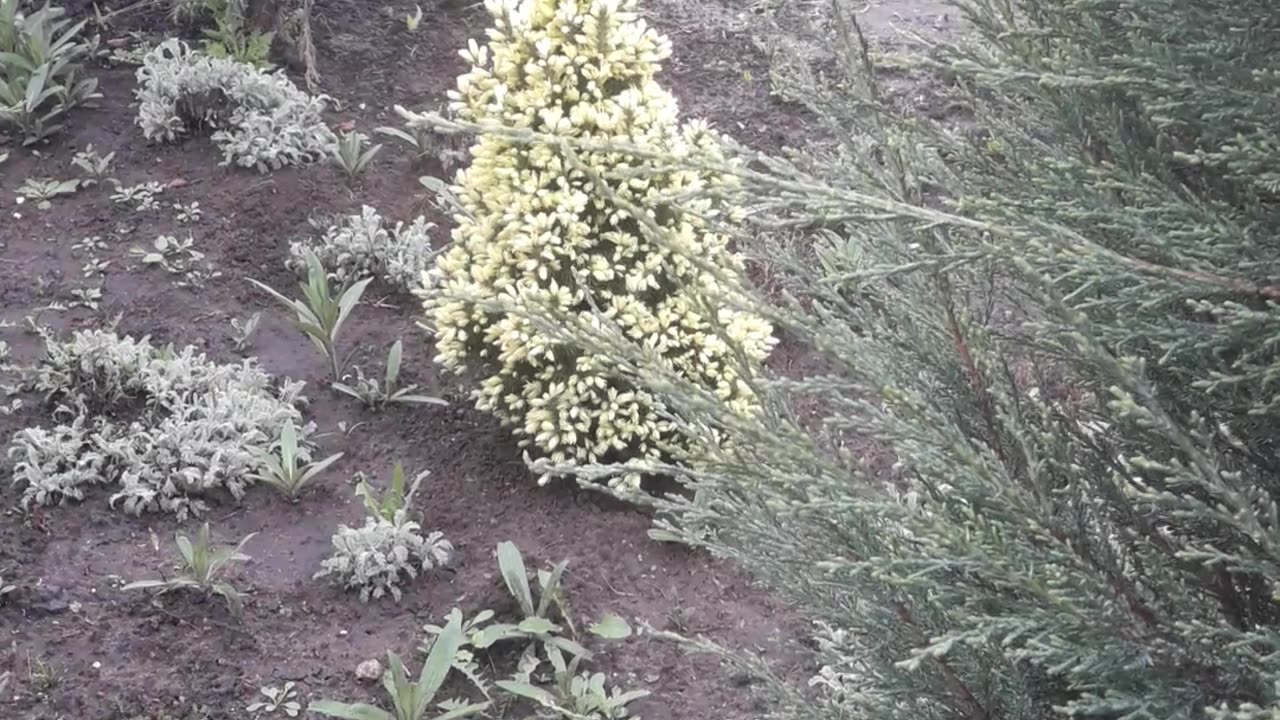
[[537, 231]]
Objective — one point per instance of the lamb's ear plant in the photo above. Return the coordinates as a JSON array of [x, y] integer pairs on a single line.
[[290, 472], [203, 567], [321, 314], [350, 154], [412, 700], [378, 396]]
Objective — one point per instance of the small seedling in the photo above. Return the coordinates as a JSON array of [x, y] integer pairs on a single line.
[[42, 192], [188, 214], [278, 699], [5, 588], [42, 676], [242, 330], [86, 296], [394, 499], [94, 266], [411, 22], [95, 168], [203, 569], [320, 315], [178, 257], [291, 473], [377, 396], [141, 196], [349, 154], [89, 245], [412, 700]]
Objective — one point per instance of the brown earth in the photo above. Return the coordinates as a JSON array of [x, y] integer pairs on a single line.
[[80, 648]]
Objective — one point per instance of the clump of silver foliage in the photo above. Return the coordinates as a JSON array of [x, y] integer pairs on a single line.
[[365, 245], [378, 556], [166, 427], [259, 119]]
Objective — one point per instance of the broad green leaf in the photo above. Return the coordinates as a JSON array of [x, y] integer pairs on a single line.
[[570, 646], [348, 301], [464, 711], [537, 626], [288, 445], [35, 88], [393, 364], [550, 584], [359, 711], [316, 468], [440, 659], [610, 627], [511, 565], [145, 585], [627, 697], [418, 399], [494, 633], [188, 552], [234, 603], [526, 690]]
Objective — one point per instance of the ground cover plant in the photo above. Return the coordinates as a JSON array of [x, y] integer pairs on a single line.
[[199, 428], [258, 119]]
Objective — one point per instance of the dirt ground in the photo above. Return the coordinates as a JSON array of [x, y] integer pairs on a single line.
[[82, 649]]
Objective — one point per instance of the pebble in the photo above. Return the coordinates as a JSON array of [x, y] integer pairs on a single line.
[[369, 670]]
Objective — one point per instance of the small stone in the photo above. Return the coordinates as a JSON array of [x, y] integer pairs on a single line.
[[369, 670]]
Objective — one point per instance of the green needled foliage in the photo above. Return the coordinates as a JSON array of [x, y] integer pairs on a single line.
[[1027, 467]]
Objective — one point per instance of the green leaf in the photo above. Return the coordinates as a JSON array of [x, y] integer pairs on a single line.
[[550, 584], [234, 602], [496, 632], [525, 690], [610, 627], [537, 626], [345, 303], [511, 565], [288, 445], [146, 585], [35, 88], [440, 659], [187, 551], [463, 711], [393, 364], [359, 711]]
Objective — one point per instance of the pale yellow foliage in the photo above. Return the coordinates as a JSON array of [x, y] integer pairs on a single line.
[[538, 231]]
